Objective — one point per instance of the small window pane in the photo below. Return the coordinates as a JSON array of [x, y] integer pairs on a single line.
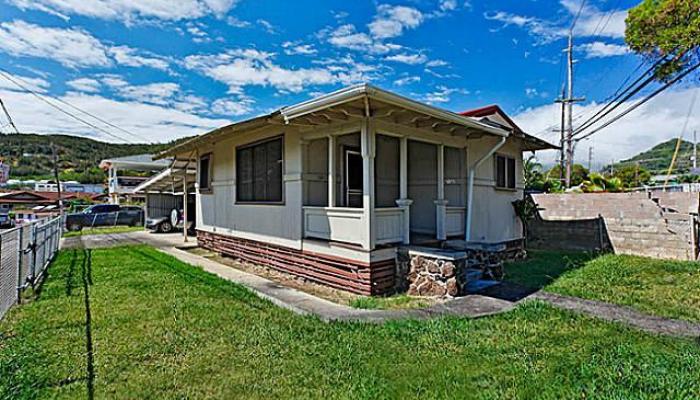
[[511, 173], [204, 172], [500, 171]]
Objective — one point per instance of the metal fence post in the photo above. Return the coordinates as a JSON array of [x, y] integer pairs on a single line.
[[20, 284], [32, 244]]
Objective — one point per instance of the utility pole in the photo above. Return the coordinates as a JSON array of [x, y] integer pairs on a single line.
[[58, 182], [562, 157], [568, 105], [590, 157], [695, 150]]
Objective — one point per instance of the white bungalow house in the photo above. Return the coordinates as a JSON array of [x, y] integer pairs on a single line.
[[330, 188]]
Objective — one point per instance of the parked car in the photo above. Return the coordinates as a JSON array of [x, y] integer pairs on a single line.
[[167, 224], [6, 222], [105, 215]]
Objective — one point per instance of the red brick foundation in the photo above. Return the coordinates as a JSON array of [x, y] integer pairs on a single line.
[[368, 279]]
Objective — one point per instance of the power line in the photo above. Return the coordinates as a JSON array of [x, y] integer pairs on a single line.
[[641, 102], [5, 75], [9, 118]]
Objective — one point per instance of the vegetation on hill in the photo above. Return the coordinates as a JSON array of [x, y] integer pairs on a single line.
[[658, 158], [30, 157]]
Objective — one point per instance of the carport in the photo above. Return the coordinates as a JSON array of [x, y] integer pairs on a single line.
[[170, 189]]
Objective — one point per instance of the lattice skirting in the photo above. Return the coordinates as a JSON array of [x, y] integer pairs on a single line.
[[368, 279]]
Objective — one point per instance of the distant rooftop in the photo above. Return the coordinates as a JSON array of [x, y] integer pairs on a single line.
[[140, 161]]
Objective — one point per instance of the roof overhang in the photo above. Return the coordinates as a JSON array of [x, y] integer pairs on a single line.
[[171, 180]]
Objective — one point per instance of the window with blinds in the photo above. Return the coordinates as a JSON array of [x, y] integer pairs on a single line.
[[505, 171], [259, 172]]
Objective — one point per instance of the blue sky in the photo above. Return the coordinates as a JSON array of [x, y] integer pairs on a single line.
[[162, 69]]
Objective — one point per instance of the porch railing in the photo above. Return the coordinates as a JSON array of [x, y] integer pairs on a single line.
[[348, 225], [454, 221]]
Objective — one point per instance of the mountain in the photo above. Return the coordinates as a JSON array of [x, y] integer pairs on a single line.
[[30, 156], [658, 158]]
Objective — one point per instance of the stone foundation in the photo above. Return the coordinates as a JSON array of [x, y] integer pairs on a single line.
[[446, 272]]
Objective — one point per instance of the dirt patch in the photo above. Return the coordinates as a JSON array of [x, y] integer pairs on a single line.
[[304, 285]]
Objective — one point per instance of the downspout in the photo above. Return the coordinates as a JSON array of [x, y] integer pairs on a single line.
[[470, 187]]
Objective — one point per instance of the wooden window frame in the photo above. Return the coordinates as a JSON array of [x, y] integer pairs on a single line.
[[506, 159], [208, 188], [237, 149]]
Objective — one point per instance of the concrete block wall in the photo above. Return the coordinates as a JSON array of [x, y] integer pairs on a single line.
[[626, 223]]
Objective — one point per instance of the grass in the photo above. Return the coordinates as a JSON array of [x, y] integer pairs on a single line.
[[658, 287], [134, 323], [395, 302], [103, 230]]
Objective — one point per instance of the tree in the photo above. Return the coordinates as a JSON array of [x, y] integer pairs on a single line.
[[632, 175], [532, 171], [665, 30], [579, 173]]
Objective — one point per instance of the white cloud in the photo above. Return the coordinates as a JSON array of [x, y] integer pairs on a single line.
[[129, 10], [294, 48], [601, 49], [407, 80], [267, 26], [391, 21], [125, 55], [161, 93], [87, 85], [151, 122], [70, 47], [658, 120], [411, 59], [436, 63], [442, 94], [592, 22], [346, 36], [448, 5], [229, 107], [239, 68], [35, 84]]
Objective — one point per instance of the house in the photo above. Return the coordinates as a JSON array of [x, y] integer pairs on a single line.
[[30, 200], [124, 174], [67, 187], [330, 188], [4, 172]]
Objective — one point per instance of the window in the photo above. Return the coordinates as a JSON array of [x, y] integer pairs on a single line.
[[259, 172], [505, 171], [205, 173]]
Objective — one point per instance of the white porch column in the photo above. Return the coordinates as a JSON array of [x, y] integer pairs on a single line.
[[440, 203], [404, 202], [367, 149], [331, 171], [184, 204]]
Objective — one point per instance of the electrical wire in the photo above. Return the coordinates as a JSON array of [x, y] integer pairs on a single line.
[[9, 118]]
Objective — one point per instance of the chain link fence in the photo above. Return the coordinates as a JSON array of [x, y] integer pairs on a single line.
[[25, 252]]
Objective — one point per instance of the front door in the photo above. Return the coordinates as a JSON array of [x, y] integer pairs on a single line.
[[353, 177]]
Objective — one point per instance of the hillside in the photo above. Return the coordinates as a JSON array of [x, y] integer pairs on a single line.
[[29, 155], [658, 158]]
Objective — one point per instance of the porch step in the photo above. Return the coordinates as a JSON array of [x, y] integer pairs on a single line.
[[474, 274], [475, 283]]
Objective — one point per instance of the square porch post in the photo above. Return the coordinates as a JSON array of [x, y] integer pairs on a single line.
[[404, 202], [440, 203], [367, 145], [331, 170]]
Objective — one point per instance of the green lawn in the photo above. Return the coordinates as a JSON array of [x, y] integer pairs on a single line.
[[660, 287], [159, 328], [104, 230]]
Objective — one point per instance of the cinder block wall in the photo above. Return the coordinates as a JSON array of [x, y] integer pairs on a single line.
[[626, 223]]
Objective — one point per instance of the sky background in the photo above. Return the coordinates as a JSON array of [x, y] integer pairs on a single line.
[[161, 70]]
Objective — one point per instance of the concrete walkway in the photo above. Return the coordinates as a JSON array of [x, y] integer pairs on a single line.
[[471, 306]]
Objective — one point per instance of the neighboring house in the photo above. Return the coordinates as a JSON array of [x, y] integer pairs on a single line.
[[27, 199], [68, 187], [328, 189], [4, 173], [134, 171]]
